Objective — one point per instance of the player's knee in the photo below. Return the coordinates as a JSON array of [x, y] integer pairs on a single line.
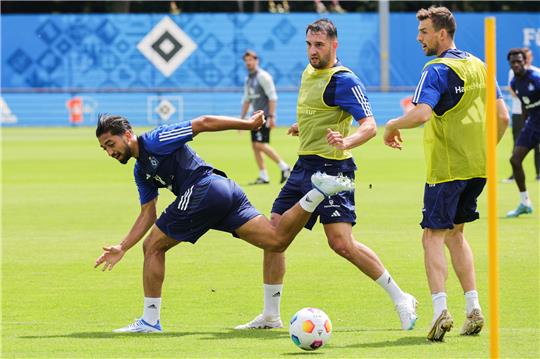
[[515, 160], [426, 242], [279, 245], [341, 245], [151, 246]]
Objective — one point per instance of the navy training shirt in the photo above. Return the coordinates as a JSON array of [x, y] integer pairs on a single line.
[[527, 89], [165, 161], [438, 82]]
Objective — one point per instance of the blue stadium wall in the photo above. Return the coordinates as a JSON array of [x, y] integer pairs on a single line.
[[53, 58]]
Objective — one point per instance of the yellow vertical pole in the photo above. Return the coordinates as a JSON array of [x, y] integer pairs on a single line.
[[491, 133]]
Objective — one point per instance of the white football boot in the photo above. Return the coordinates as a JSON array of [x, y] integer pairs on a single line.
[[140, 326], [261, 322], [330, 185], [407, 312]]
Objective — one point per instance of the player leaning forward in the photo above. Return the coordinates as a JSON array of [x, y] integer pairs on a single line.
[[450, 99], [205, 200]]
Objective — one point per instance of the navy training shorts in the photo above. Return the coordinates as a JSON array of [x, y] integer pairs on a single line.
[[338, 208], [450, 203], [529, 137], [218, 204]]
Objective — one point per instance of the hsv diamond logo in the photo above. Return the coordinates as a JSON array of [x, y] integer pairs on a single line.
[[165, 109], [166, 46]]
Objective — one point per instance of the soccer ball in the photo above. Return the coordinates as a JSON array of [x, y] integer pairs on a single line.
[[310, 328]]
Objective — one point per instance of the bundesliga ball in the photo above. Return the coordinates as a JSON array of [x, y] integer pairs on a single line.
[[310, 328]]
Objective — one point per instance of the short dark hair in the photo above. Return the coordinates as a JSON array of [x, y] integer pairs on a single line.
[[323, 25], [516, 51], [441, 17], [250, 53], [116, 125]]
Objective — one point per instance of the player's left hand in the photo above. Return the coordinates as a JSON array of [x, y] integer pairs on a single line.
[[392, 137], [256, 120], [111, 255], [336, 139], [271, 121]]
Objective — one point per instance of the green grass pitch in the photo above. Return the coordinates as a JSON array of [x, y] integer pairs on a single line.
[[63, 199]]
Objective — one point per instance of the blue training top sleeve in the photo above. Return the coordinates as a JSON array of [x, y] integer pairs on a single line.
[[351, 95], [147, 191], [429, 90], [166, 139]]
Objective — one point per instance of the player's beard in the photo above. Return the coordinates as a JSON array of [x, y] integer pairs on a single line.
[[322, 63], [431, 50], [124, 157]]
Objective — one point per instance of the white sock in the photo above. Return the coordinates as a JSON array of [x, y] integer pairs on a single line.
[[272, 300], [283, 165], [311, 200], [439, 304], [152, 307], [525, 198], [263, 174], [391, 287], [471, 300]]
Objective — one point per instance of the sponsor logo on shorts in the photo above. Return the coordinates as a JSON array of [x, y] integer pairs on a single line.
[[331, 205]]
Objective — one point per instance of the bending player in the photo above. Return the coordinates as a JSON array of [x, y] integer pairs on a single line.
[[205, 200]]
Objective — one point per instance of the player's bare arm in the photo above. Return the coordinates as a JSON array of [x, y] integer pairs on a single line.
[[271, 115], [245, 108], [419, 115], [210, 123], [502, 119], [112, 254], [366, 131]]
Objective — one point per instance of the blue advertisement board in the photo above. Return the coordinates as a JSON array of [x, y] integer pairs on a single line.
[[123, 62]]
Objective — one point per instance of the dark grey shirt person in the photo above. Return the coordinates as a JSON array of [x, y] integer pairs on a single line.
[[259, 89]]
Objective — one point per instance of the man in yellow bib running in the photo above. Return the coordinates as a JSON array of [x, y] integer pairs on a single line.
[[330, 97], [450, 100]]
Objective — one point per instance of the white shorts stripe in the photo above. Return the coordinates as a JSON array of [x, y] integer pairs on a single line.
[[184, 200]]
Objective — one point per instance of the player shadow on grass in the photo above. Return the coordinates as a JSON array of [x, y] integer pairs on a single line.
[[226, 334], [404, 341]]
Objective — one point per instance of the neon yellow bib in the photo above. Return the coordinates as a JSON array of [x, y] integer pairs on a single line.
[[455, 143], [314, 116]]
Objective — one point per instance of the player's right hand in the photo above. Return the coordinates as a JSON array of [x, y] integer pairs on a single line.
[[293, 130], [256, 120], [111, 255]]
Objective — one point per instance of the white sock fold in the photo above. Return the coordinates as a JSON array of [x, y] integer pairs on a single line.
[[471, 301], [391, 287], [525, 200], [152, 308], [272, 300], [439, 304], [311, 200], [263, 174], [283, 165]]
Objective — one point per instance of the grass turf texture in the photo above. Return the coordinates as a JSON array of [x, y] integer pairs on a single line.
[[63, 199]]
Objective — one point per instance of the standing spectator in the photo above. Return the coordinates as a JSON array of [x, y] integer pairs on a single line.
[[260, 94]]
